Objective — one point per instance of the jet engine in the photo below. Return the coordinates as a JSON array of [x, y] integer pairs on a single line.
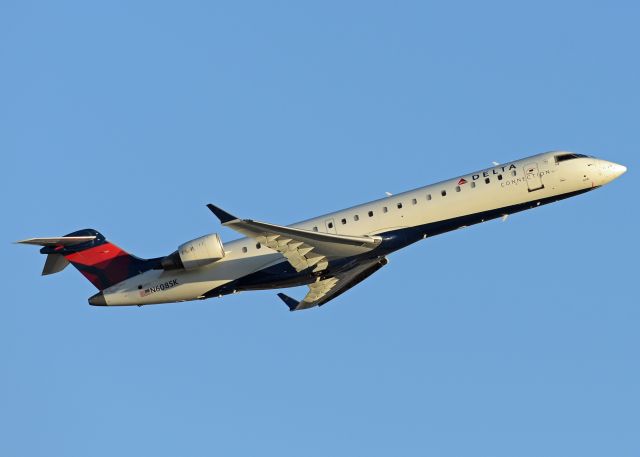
[[195, 253]]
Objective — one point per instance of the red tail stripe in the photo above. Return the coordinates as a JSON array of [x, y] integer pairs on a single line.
[[96, 254]]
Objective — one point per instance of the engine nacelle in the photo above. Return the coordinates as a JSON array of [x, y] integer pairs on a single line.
[[195, 253]]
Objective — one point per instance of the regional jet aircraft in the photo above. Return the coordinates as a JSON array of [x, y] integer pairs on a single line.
[[330, 253]]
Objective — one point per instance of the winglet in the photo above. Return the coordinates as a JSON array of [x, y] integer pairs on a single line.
[[290, 302], [221, 214]]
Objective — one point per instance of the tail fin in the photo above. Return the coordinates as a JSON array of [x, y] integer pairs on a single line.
[[100, 261]]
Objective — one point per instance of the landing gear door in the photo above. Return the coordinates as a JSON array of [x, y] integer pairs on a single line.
[[534, 179]]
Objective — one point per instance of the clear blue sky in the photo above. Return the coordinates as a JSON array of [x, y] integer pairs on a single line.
[[506, 339]]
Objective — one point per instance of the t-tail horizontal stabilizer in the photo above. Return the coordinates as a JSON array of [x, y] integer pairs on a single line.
[[56, 262], [103, 263]]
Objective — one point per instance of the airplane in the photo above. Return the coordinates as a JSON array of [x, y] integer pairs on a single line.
[[331, 253]]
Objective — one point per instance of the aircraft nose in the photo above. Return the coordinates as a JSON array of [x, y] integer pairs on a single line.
[[98, 300], [611, 171], [618, 170]]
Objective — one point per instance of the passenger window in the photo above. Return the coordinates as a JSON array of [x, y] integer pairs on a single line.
[[370, 213], [414, 201], [315, 229], [356, 218], [499, 177], [330, 225], [513, 173], [487, 180], [428, 197], [443, 193], [244, 249], [344, 221], [399, 205], [258, 246], [457, 188], [473, 184], [384, 209]]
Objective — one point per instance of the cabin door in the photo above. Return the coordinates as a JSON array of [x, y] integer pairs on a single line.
[[534, 180]]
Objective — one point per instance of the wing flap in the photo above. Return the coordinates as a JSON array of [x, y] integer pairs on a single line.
[[324, 290], [251, 226], [302, 248]]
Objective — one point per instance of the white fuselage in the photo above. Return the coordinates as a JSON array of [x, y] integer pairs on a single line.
[[530, 180]]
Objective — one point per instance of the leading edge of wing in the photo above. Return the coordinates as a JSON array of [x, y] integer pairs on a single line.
[[231, 221], [341, 283]]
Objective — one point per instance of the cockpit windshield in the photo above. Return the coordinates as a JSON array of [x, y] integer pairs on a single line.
[[569, 156]]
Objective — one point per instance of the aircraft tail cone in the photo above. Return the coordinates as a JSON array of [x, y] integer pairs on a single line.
[[98, 300]]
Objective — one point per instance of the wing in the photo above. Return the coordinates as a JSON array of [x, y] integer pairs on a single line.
[[323, 290], [302, 248]]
